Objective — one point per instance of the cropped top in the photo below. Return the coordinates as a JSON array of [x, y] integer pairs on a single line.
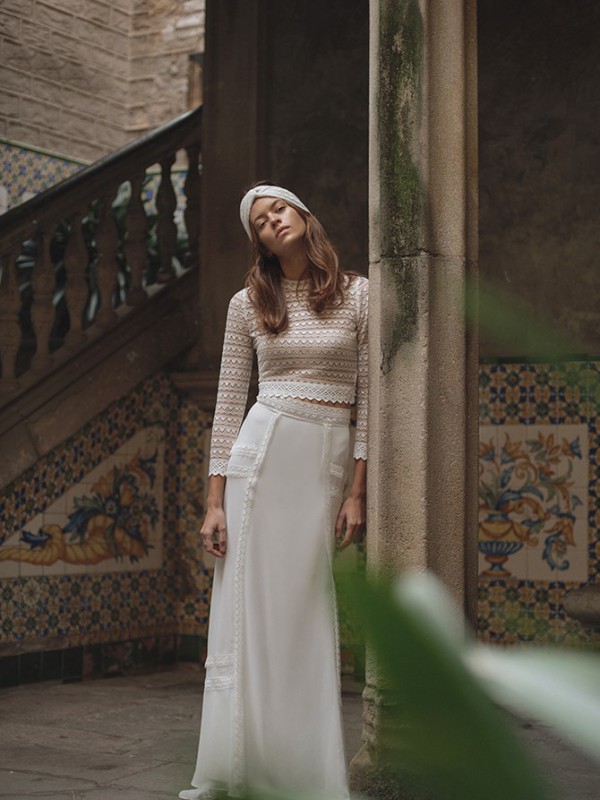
[[318, 357]]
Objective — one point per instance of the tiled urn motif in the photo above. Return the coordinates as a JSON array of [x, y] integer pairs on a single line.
[[533, 486]]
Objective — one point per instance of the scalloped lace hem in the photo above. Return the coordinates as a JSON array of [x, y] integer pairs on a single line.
[[360, 451], [218, 466], [306, 391]]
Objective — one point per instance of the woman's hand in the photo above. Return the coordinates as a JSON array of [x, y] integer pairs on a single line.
[[214, 532], [350, 523], [214, 527]]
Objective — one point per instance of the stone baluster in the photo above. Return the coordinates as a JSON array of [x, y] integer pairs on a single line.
[[166, 202], [10, 329], [107, 240], [136, 247], [191, 190], [43, 312], [76, 287]]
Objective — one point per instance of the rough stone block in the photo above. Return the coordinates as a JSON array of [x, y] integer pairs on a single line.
[[77, 75], [15, 80], [95, 11], [47, 64], [140, 44], [120, 21], [17, 54], [9, 105], [77, 124], [9, 25], [36, 35], [18, 131], [69, 46], [75, 7], [109, 135], [39, 113], [88, 151], [111, 63], [100, 36], [189, 21], [23, 8], [62, 144], [53, 18], [193, 7]]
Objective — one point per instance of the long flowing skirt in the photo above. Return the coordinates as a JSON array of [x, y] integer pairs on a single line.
[[271, 715]]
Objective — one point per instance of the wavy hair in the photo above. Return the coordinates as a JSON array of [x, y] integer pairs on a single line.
[[326, 282]]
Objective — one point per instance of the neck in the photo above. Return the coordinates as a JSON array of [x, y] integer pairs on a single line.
[[295, 266]]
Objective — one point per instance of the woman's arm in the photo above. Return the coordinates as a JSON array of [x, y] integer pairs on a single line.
[[214, 527], [232, 396], [351, 520]]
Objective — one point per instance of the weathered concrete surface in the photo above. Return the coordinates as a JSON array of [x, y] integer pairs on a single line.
[[136, 738], [118, 739], [422, 472], [539, 119]]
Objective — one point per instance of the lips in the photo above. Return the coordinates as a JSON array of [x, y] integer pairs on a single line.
[[282, 231]]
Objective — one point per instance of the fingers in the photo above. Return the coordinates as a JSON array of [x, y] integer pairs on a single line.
[[353, 534], [339, 523], [215, 540]]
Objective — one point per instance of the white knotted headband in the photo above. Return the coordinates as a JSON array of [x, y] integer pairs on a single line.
[[265, 191]]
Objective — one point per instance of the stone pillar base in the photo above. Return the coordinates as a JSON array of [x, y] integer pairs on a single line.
[[368, 777]]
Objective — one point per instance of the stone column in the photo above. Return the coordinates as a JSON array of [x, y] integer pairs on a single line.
[[232, 145], [423, 248]]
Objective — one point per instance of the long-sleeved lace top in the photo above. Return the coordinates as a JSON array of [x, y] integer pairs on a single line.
[[318, 357]]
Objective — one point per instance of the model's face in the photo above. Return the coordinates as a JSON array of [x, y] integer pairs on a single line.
[[279, 227]]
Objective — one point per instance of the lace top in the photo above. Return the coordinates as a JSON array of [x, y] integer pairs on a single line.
[[318, 357]]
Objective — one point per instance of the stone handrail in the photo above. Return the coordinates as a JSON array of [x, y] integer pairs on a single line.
[[52, 306]]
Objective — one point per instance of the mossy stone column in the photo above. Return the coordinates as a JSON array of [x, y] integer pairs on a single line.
[[423, 360]]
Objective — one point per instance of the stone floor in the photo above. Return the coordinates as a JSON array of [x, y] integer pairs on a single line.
[[110, 739], [135, 739]]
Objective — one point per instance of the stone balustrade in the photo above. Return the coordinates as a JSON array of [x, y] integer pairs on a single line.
[[76, 258]]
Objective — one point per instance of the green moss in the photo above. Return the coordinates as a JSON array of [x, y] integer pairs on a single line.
[[402, 195], [401, 64]]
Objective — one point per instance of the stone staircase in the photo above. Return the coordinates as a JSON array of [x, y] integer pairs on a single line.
[[98, 288]]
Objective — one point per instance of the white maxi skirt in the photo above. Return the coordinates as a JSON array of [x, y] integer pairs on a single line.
[[271, 716]]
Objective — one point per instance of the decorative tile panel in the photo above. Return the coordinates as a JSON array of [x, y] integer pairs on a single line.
[[533, 487], [539, 511], [27, 171], [104, 527], [110, 521]]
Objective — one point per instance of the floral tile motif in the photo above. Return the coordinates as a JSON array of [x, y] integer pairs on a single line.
[[533, 501], [112, 518], [111, 460], [540, 505], [27, 171]]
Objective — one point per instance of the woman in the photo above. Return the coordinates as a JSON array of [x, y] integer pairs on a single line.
[[271, 715]]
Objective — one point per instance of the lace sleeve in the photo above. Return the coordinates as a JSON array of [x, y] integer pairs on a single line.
[[362, 381], [234, 380]]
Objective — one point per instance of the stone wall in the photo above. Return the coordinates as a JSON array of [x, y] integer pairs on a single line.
[[316, 114], [164, 34], [81, 77], [539, 149]]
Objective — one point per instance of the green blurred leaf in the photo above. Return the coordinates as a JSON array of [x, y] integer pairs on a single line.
[[561, 689], [503, 317], [451, 737]]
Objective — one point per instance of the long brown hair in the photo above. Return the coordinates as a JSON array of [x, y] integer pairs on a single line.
[[326, 282]]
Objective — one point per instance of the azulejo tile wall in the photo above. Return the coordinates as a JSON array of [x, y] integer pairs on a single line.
[[539, 503], [98, 539], [27, 171]]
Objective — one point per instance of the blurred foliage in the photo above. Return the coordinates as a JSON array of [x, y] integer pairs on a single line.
[[444, 733], [503, 317]]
